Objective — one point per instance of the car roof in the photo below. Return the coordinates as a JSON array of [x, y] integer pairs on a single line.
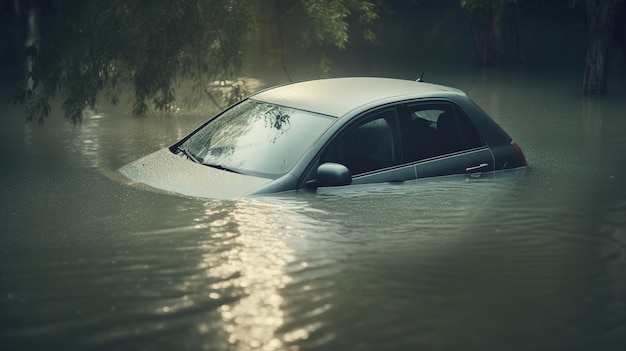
[[338, 96]]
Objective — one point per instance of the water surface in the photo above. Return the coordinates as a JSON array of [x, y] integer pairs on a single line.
[[531, 262]]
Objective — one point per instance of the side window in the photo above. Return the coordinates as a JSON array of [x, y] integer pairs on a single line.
[[365, 147], [437, 129]]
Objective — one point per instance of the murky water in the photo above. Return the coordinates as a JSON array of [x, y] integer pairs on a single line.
[[533, 262]]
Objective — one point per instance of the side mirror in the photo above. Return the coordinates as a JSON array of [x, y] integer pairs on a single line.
[[333, 174]]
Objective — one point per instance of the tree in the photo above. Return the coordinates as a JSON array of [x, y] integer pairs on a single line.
[[601, 19], [305, 24], [487, 25], [89, 49]]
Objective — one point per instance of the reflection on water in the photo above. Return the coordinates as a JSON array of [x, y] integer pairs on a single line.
[[252, 269], [532, 262]]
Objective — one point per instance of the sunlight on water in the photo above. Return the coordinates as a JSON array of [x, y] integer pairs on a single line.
[[247, 255], [252, 321]]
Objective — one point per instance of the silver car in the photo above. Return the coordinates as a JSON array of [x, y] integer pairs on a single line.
[[332, 132]]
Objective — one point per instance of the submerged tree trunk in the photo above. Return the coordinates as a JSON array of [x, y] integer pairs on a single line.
[[601, 18]]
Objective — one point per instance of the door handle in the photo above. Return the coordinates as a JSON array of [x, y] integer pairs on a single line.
[[474, 168]]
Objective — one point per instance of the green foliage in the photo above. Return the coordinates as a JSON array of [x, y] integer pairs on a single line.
[[472, 5], [91, 49], [324, 22]]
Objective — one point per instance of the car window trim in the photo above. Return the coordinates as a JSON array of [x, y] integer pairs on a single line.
[[452, 154]]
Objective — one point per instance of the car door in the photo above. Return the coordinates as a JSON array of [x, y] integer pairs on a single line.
[[441, 140], [371, 149]]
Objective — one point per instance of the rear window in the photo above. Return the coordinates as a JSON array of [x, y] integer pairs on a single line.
[[438, 129]]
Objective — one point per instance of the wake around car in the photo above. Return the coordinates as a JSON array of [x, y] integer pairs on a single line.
[[331, 132]]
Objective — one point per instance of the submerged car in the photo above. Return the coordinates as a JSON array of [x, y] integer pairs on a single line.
[[332, 132]]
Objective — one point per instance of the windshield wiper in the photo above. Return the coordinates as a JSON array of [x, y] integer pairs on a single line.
[[220, 167], [187, 153], [190, 156]]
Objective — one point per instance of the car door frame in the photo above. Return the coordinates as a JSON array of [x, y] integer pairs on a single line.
[[474, 162]]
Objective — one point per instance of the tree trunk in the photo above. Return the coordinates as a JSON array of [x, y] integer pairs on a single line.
[[480, 43], [487, 24], [601, 18], [495, 35], [515, 37]]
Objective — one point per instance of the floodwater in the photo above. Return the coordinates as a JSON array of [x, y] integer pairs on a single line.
[[90, 261]]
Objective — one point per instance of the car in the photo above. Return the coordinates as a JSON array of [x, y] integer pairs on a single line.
[[329, 133]]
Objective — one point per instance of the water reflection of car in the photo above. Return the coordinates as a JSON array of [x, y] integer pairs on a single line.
[[332, 132]]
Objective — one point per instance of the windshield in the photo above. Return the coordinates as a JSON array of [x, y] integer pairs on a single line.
[[256, 138]]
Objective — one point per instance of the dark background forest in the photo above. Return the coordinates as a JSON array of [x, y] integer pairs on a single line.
[[90, 50]]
